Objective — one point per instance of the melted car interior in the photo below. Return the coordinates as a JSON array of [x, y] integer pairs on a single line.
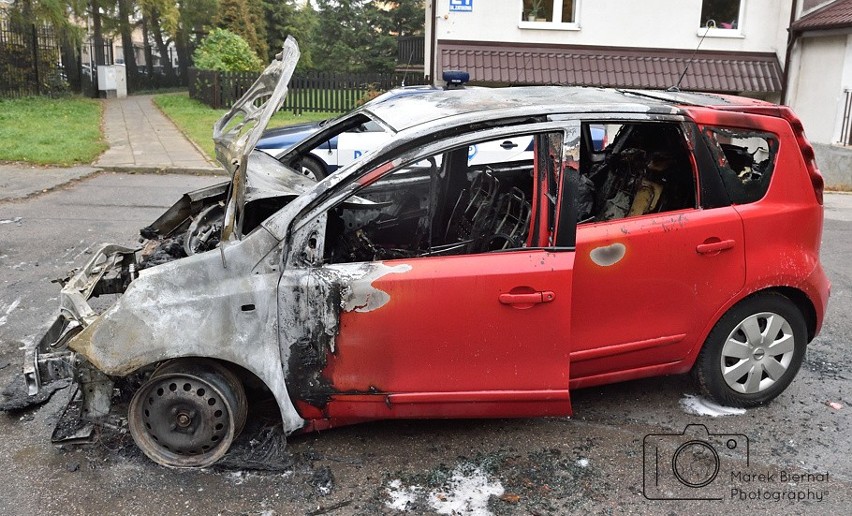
[[632, 169], [442, 205]]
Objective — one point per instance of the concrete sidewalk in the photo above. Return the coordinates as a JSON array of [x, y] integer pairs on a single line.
[[142, 139]]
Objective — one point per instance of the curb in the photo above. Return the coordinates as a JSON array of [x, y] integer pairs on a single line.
[[53, 187], [136, 169]]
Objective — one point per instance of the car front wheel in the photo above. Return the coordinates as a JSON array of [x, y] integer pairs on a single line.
[[312, 169], [753, 352]]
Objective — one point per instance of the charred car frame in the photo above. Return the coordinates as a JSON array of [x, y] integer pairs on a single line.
[[412, 283]]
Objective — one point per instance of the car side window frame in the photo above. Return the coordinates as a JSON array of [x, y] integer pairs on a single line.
[[738, 191], [687, 130], [302, 228]]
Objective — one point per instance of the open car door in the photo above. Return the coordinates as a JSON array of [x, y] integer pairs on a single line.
[[473, 323]]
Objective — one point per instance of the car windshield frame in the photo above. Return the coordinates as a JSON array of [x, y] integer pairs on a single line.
[[331, 129]]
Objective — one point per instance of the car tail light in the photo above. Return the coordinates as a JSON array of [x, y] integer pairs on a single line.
[[807, 152]]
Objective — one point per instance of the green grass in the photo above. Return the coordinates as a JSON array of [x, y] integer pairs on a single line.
[[50, 131], [196, 120]]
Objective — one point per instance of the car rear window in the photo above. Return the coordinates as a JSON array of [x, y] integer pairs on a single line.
[[746, 160]]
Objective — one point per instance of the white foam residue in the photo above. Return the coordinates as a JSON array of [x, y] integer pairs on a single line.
[[699, 406], [400, 496], [583, 463], [466, 493], [237, 477]]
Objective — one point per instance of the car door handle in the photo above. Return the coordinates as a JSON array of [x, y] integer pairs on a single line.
[[532, 298], [508, 144], [714, 247]]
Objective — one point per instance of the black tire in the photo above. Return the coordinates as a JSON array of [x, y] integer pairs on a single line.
[[729, 351], [188, 413], [312, 169]]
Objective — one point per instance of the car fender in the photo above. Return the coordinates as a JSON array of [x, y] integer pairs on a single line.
[[809, 289], [207, 305]]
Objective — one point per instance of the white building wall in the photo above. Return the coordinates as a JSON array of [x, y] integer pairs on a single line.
[[672, 24], [821, 68], [845, 84]]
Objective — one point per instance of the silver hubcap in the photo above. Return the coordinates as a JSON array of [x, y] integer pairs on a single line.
[[308, 173], [757, 353]]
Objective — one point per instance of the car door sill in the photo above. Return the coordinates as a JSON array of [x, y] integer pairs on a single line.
[[620, 349]]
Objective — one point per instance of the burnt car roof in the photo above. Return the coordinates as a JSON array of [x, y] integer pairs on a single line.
[[402, 113], [406, 112]]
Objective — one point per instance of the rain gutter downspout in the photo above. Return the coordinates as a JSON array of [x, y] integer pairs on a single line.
[[792, 36], [433, 48]]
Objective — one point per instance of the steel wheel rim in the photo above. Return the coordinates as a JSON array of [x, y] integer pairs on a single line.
[[307, 172], [182, 420], [204, 368], [757, 353]]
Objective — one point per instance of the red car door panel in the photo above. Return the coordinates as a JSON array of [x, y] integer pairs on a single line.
[[461, 336], [645, 287]]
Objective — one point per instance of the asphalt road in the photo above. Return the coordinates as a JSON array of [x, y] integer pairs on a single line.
[[590, 463]]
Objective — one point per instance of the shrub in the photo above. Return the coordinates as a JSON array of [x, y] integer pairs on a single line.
[[224, 51]]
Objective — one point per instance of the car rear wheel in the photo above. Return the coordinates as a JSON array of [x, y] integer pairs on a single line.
[[753, 352], [188, 413]]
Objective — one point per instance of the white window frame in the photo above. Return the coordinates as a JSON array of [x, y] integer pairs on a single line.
[[723, 33], [551, 25]]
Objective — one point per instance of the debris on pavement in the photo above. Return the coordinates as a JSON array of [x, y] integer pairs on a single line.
[[15, 397]]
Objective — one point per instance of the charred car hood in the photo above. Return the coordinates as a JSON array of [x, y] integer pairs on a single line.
[[236, 134]]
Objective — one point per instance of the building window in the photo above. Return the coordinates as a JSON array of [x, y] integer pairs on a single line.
[[555, 11], [720, 14]]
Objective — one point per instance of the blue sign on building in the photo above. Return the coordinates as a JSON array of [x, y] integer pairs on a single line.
[[461, 6]]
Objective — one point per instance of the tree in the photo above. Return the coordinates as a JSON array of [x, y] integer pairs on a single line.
[[389, 21], [161, 18], [258, 22], [345, 36], [400, 18], [286, 18], [24, 14], [357, 35], [224, 51], [125, 8], [193, 19], [237, 16]]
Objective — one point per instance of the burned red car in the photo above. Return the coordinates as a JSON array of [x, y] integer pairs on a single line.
[[414, 284]]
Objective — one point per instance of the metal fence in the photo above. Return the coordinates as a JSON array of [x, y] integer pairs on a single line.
[[410, 51], [30, 60], [313, 92], [155, 80]]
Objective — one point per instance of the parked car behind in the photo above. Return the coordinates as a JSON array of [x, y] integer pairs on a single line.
[[342, 149], [414, 282]]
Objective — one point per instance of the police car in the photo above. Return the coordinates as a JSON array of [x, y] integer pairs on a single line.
[[350, 145]]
